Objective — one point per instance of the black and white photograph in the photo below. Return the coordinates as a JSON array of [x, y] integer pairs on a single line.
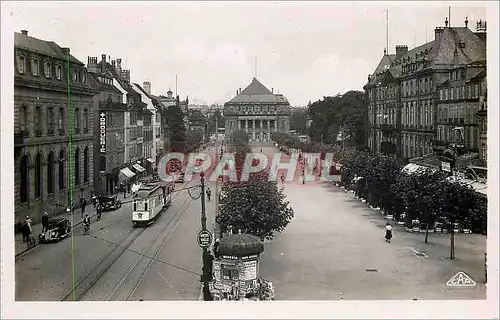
[[206, 156]]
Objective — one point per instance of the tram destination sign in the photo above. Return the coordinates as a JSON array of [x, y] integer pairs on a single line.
[[204, 239]]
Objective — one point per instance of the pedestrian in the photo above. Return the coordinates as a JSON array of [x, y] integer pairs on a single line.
[[45, 222], [25, 230], [28, 222], [216, 248], [99, 212], [209, 193], [83, 203], [388, 232]]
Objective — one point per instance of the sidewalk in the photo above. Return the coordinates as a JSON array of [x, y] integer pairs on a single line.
[[21, 247]]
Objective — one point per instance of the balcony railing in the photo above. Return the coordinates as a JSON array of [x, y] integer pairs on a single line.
[[38, 133], [50, 132]]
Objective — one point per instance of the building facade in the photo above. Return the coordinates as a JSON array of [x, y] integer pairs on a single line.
[[110, 142], [150, 126], [458, 103], [48, 168], [258, 111], [403, 92]]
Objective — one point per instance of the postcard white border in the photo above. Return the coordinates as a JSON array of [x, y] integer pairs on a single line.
[[255, 310]]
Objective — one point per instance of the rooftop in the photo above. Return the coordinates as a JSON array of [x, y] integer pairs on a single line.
[[256, 92]]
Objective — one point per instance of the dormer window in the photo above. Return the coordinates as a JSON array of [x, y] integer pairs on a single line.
[[74, 76], [35, 67], [21, 64], [84, 78], [59, 72], [47, 69]]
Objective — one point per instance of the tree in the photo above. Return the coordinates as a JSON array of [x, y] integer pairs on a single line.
[[212, 121], [176, 127], [194, 137], [255, 207], [422, 194], [461, 204], [298, 121]]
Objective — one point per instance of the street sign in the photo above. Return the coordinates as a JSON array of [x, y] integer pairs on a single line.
[[204, 239], [461, 280]]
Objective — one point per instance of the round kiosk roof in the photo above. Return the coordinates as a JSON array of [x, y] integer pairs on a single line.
[[240, 244]]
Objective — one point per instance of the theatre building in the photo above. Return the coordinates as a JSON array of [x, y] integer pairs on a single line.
[[258, 111]]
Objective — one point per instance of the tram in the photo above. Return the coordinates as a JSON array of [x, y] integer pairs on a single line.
[[150, 200]]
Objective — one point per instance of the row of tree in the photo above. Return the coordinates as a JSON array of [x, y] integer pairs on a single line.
[[180, 139], [255, 206], [428, 196]]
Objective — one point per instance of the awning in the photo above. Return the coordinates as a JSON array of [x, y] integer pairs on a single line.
[[150, 160], [413, 168], [126, 173], [138, 167]]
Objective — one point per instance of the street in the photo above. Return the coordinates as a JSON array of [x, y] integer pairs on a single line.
[[334, 249], [119, 262]]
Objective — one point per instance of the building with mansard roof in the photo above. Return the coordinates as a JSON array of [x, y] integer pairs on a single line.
[[49, 171], [258, 111], [404, 91]]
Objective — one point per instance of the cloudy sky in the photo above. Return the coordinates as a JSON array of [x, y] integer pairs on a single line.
[[305, 50]]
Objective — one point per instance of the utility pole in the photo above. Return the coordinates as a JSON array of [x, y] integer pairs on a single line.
[[207, 258]]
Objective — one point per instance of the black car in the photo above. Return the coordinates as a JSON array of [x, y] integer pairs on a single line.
[[58, 229], [110, 202]]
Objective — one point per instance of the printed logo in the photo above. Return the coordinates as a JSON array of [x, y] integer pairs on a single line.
[[461, 280]]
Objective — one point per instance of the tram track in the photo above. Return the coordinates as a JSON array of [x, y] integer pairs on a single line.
[[124, 288], [88, 281]]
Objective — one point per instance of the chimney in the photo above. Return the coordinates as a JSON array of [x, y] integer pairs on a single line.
[[400, 51], [119, 65], [438, 33], [113, 63], [240, 90], [272, 90], [147, 86], [24, 32], [92, 64], [169, 93], [125, 75], [103, 63]]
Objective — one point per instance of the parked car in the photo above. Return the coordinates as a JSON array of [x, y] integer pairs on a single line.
[[58, 229], [110, 202]]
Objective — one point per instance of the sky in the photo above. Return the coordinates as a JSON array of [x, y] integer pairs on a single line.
[[304, 50]]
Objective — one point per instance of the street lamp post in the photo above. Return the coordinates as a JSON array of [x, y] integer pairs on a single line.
[[207, 259]]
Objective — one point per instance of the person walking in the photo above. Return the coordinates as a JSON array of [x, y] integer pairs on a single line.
[[388, 232], [45, 222], [86, 224], [25, 230], [99, 211], [209, 193], [83, 203], [29, 223]]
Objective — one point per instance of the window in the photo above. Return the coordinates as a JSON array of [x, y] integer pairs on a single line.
[[62, 160], [452, 91], [86, 164], [38, 121], [77, 166], [157, 117], [61, 120], [50, 119], [77, 120], [83, 78], [476, 90], [50, 173], [59, 72], [21, 64], [85, 120], [24, 118], [229, 274], [463, 93], [74, 76], [483, 151], [47, 69], [441, 96], [23, 181], [34, 67], [38, 176], [446, 94]]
